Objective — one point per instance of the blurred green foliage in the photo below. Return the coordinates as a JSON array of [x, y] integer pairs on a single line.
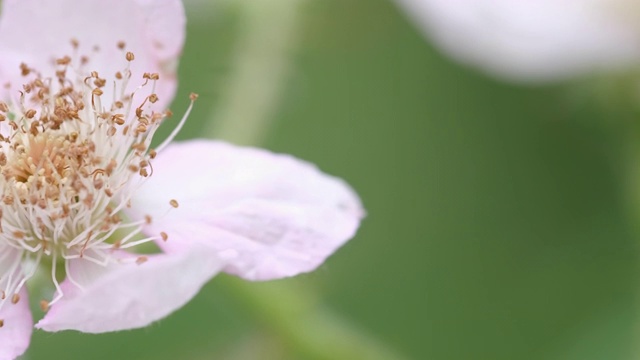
[[497, 224]]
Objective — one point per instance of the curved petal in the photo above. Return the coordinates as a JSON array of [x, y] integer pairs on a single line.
[[533, 40], [17, 325], [128, 295], [269, 215], [37, 31]]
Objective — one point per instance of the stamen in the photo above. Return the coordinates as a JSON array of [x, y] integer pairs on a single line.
[[71, 158], [177, 129]]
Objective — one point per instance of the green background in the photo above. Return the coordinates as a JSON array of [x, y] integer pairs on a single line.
[[498, 223]]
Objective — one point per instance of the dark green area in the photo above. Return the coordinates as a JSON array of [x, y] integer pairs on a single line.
[[496, 227]]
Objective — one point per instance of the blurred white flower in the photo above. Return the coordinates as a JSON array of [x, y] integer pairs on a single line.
[[534, 41]]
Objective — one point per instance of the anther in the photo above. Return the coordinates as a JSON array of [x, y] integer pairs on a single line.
[[44, 305], [98, 183], [99, 82], [129, 56], [173, 203], [118, 119], [63, 61], [15, 298], [164, 236], [24, 69], [141, 260]]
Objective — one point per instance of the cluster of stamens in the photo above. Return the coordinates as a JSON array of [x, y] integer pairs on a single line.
[[70, 161]]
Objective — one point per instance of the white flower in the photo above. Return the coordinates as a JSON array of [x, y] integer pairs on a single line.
[[81, 188], [533, 40]]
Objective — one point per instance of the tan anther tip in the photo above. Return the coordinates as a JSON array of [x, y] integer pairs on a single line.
[[174, 203], [193, 96], [164, 236], [129, 56], [1, 323], [24, 70], [97, 92], [15, 298], [153, 98], [44, 305], [30, 114], [121, 45], [141, 260], [75, 43], [63, 60]]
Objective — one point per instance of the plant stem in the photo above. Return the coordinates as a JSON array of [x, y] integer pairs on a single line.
[[293, 313], [258, 71]]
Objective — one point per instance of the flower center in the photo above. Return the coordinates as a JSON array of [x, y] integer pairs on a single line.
[[70, 163]]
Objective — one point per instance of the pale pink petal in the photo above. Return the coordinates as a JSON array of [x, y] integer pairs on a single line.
[[269, 215], [15, 332], [130, 295], [533, 40], [37, 31]]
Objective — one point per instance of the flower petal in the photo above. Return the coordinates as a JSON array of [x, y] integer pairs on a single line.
[[269, 215], [532, 40], [17, 325], [37, 31], [127, 295]]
